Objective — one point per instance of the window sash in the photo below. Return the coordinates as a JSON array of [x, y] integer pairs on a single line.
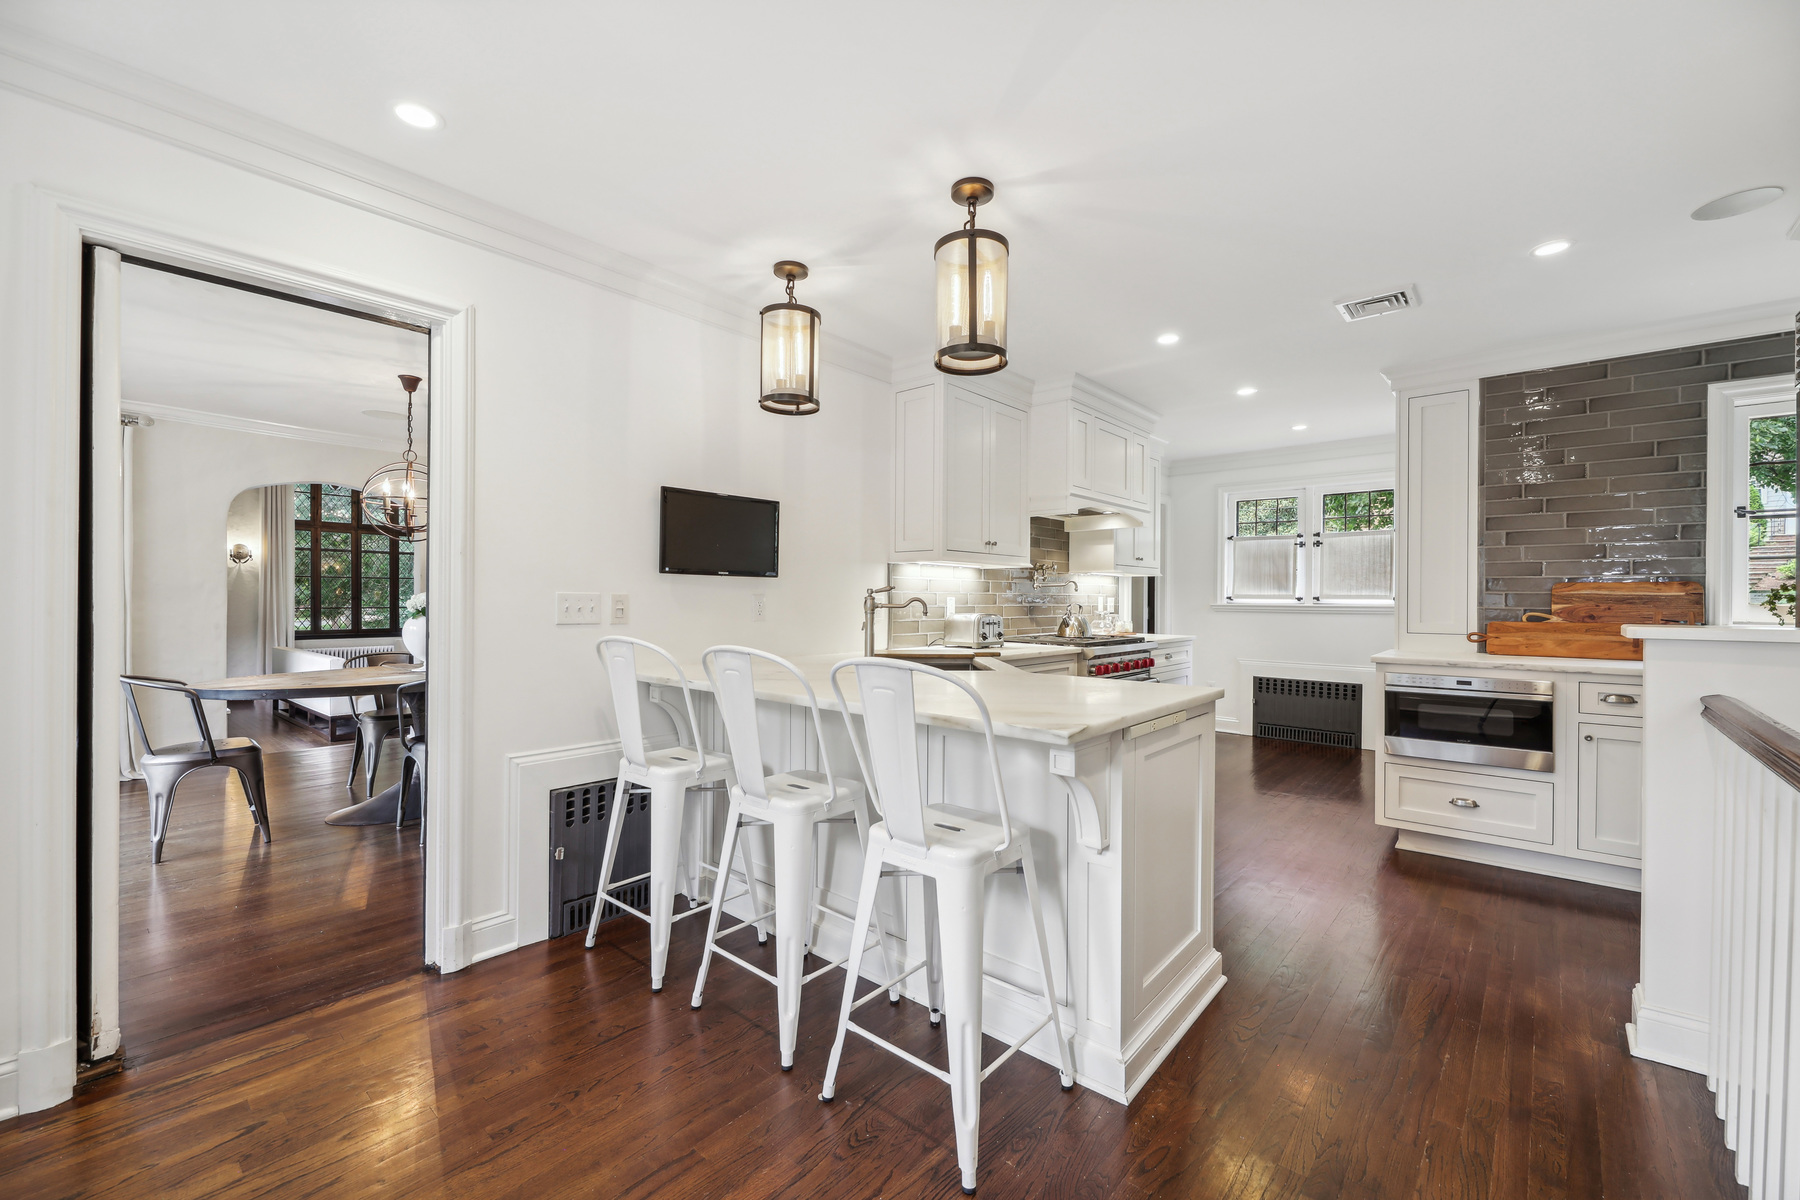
[[1322, 564], [1744, 606], [360, 561]]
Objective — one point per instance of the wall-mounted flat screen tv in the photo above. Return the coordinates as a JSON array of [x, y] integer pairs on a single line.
[[706, 533]]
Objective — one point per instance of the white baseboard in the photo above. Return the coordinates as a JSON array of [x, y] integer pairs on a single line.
[[490, 936], [9, 1088], [1675, 1039], [1579, 869], [44, 1077]]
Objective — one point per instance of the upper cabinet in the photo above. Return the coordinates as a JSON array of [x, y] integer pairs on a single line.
[[959, 477], [1436, 510], [1139, 551], [1083, 459]]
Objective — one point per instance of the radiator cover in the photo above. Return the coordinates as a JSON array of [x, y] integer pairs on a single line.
[[579, 818], [1315, 711]]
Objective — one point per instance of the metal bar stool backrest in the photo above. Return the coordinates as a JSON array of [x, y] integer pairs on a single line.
[[411, 699], [888, 751], [619, 656], [732, 672], [132, 682], [384, 703]]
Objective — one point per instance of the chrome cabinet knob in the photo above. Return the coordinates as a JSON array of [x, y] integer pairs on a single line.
[[1464, 802]]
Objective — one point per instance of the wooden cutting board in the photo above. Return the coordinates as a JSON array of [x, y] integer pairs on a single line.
[[1629, 602], [1559, 639]]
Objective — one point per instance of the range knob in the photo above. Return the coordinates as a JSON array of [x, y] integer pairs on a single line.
[[1146, 663]]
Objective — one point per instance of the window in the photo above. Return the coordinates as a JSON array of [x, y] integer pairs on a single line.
[[348, 578], [1310, 546], [1758, 492]]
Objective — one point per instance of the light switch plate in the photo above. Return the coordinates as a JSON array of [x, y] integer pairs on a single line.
[[578, 608], [621, 609]]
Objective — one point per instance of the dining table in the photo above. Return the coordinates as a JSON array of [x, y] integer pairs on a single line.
[[379, 809]]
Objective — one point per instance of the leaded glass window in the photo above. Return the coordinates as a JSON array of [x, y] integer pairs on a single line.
[[347, 578]]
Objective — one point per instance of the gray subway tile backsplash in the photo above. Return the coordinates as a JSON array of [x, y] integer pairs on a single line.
[[1614, 455]]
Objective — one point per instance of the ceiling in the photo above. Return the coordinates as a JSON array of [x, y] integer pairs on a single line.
[[1221, 170], [221, 351]]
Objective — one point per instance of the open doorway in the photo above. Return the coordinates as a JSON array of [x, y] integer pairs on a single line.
[[251, 421]]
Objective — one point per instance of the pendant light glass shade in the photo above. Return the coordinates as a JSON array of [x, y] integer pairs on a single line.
[[971, 291], [790, 351], [395, 496]]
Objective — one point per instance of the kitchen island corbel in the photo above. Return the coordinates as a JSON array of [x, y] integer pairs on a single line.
[[1114, 781]]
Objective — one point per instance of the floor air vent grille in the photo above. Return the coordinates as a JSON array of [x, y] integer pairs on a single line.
[[1318, 712]]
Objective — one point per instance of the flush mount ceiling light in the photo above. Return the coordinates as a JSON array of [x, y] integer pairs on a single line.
[[790, 350], [1737, 203], [1167, 339], [417, 115], [393, 500], [1246, 391], [971, 290], [1546, 249], [1298, 428]]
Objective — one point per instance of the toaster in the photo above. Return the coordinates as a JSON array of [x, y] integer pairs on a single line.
[[972, 629]]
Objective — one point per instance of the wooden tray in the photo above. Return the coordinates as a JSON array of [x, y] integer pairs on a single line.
[[1559, 639], [1629, 602]]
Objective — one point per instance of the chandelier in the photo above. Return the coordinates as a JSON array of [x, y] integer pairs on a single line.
[[393, 500]]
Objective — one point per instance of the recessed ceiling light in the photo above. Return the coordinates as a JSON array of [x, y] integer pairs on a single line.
[[1549, 248], [383, 414], [1246, 391], [1298, 428], [1736, 204], [1168, 339], [417, 115]]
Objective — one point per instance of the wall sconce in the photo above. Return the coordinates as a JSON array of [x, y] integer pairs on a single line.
[[240, 554]]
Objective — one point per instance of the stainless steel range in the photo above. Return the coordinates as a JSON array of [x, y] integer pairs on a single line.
[[1115, 656]]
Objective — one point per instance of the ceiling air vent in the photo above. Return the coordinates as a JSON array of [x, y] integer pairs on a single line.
[[1377, 306]]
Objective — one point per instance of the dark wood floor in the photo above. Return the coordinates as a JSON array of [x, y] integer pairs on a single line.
[[1394, 1026], [227, 933]]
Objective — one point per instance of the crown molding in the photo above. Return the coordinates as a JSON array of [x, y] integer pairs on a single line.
[[1080, 387], [1545, 353], [299, 433], [1006, 385], [1312, 452], [123, 96]]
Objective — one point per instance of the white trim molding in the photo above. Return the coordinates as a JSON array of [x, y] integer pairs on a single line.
[[1676, 1039], [237, 424], [9, 1088], [1723, 562]]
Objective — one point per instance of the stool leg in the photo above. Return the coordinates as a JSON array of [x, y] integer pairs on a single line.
[[865, 913], [667, 799], [615, 821], [793, 924], [889, 960], [733, 820], [356, 753], [934, 953], [160, 782], [371, 760], [1067, 1073], [961, 902], [252, 776]]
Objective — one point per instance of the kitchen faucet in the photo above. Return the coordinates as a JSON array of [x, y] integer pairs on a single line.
[[870, 604]]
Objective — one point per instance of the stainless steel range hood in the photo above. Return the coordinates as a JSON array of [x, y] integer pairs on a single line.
[[1092, 520]]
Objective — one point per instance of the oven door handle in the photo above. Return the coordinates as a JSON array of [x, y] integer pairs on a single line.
[[1545, 697]]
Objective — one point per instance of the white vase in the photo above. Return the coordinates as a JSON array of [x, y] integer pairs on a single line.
[[413, 635]]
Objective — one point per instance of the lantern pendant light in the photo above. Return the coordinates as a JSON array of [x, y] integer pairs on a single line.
[[971, 291], [790, 351], [393, 500]]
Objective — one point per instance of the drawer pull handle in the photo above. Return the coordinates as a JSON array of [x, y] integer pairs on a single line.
[[1617, 698], [1465, 802]]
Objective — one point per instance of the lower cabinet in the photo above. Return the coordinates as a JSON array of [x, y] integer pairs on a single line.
[[1609, 786], [1499, 806]]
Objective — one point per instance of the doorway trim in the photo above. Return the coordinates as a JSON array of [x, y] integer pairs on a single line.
[[59, 226]]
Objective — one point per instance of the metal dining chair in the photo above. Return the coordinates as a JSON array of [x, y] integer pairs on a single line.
[[410, 699], [165, 768], [377, 724]]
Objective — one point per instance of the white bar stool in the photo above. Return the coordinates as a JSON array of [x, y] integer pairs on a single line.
[[795, 804], [668, 775], [954, 849]]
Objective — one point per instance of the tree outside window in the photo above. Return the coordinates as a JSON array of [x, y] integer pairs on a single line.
[[348, 578]]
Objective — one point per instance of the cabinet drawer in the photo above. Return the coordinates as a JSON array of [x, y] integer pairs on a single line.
[[1520, 809], [1612, 699], [1173, 656]]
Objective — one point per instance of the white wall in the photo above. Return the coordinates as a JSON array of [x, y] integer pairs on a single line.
[[586, 400], [1317, 644], [185, 481], [243, 585]]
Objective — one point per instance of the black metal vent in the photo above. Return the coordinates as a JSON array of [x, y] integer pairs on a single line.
[[579, 817], [1315, 711]]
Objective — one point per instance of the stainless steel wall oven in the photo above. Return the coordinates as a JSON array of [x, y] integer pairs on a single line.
[[1495, 722]]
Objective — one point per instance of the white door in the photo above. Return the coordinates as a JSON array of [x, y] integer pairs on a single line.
[[1609, 789], [1007, 525], [965, 463]]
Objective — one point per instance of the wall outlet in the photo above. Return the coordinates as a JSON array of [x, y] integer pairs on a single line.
[[759, 606], [621, 609], [578, 608]]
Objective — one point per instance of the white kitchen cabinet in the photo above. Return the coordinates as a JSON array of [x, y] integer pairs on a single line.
[[1138, 551], [1609, 788], [1091, 448], [1439, 471], [959, 477]]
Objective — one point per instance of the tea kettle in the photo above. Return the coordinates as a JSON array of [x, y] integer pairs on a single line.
[[1073, 624]]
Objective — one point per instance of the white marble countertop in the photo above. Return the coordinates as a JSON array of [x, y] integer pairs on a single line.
[[1058, 709], [1512, 662], [1715, 633]]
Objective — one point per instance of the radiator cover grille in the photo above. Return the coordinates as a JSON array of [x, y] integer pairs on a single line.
[[1315, 711], [579, 818]]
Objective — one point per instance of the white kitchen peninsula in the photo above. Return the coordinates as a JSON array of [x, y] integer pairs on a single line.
[[1115, 782]]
